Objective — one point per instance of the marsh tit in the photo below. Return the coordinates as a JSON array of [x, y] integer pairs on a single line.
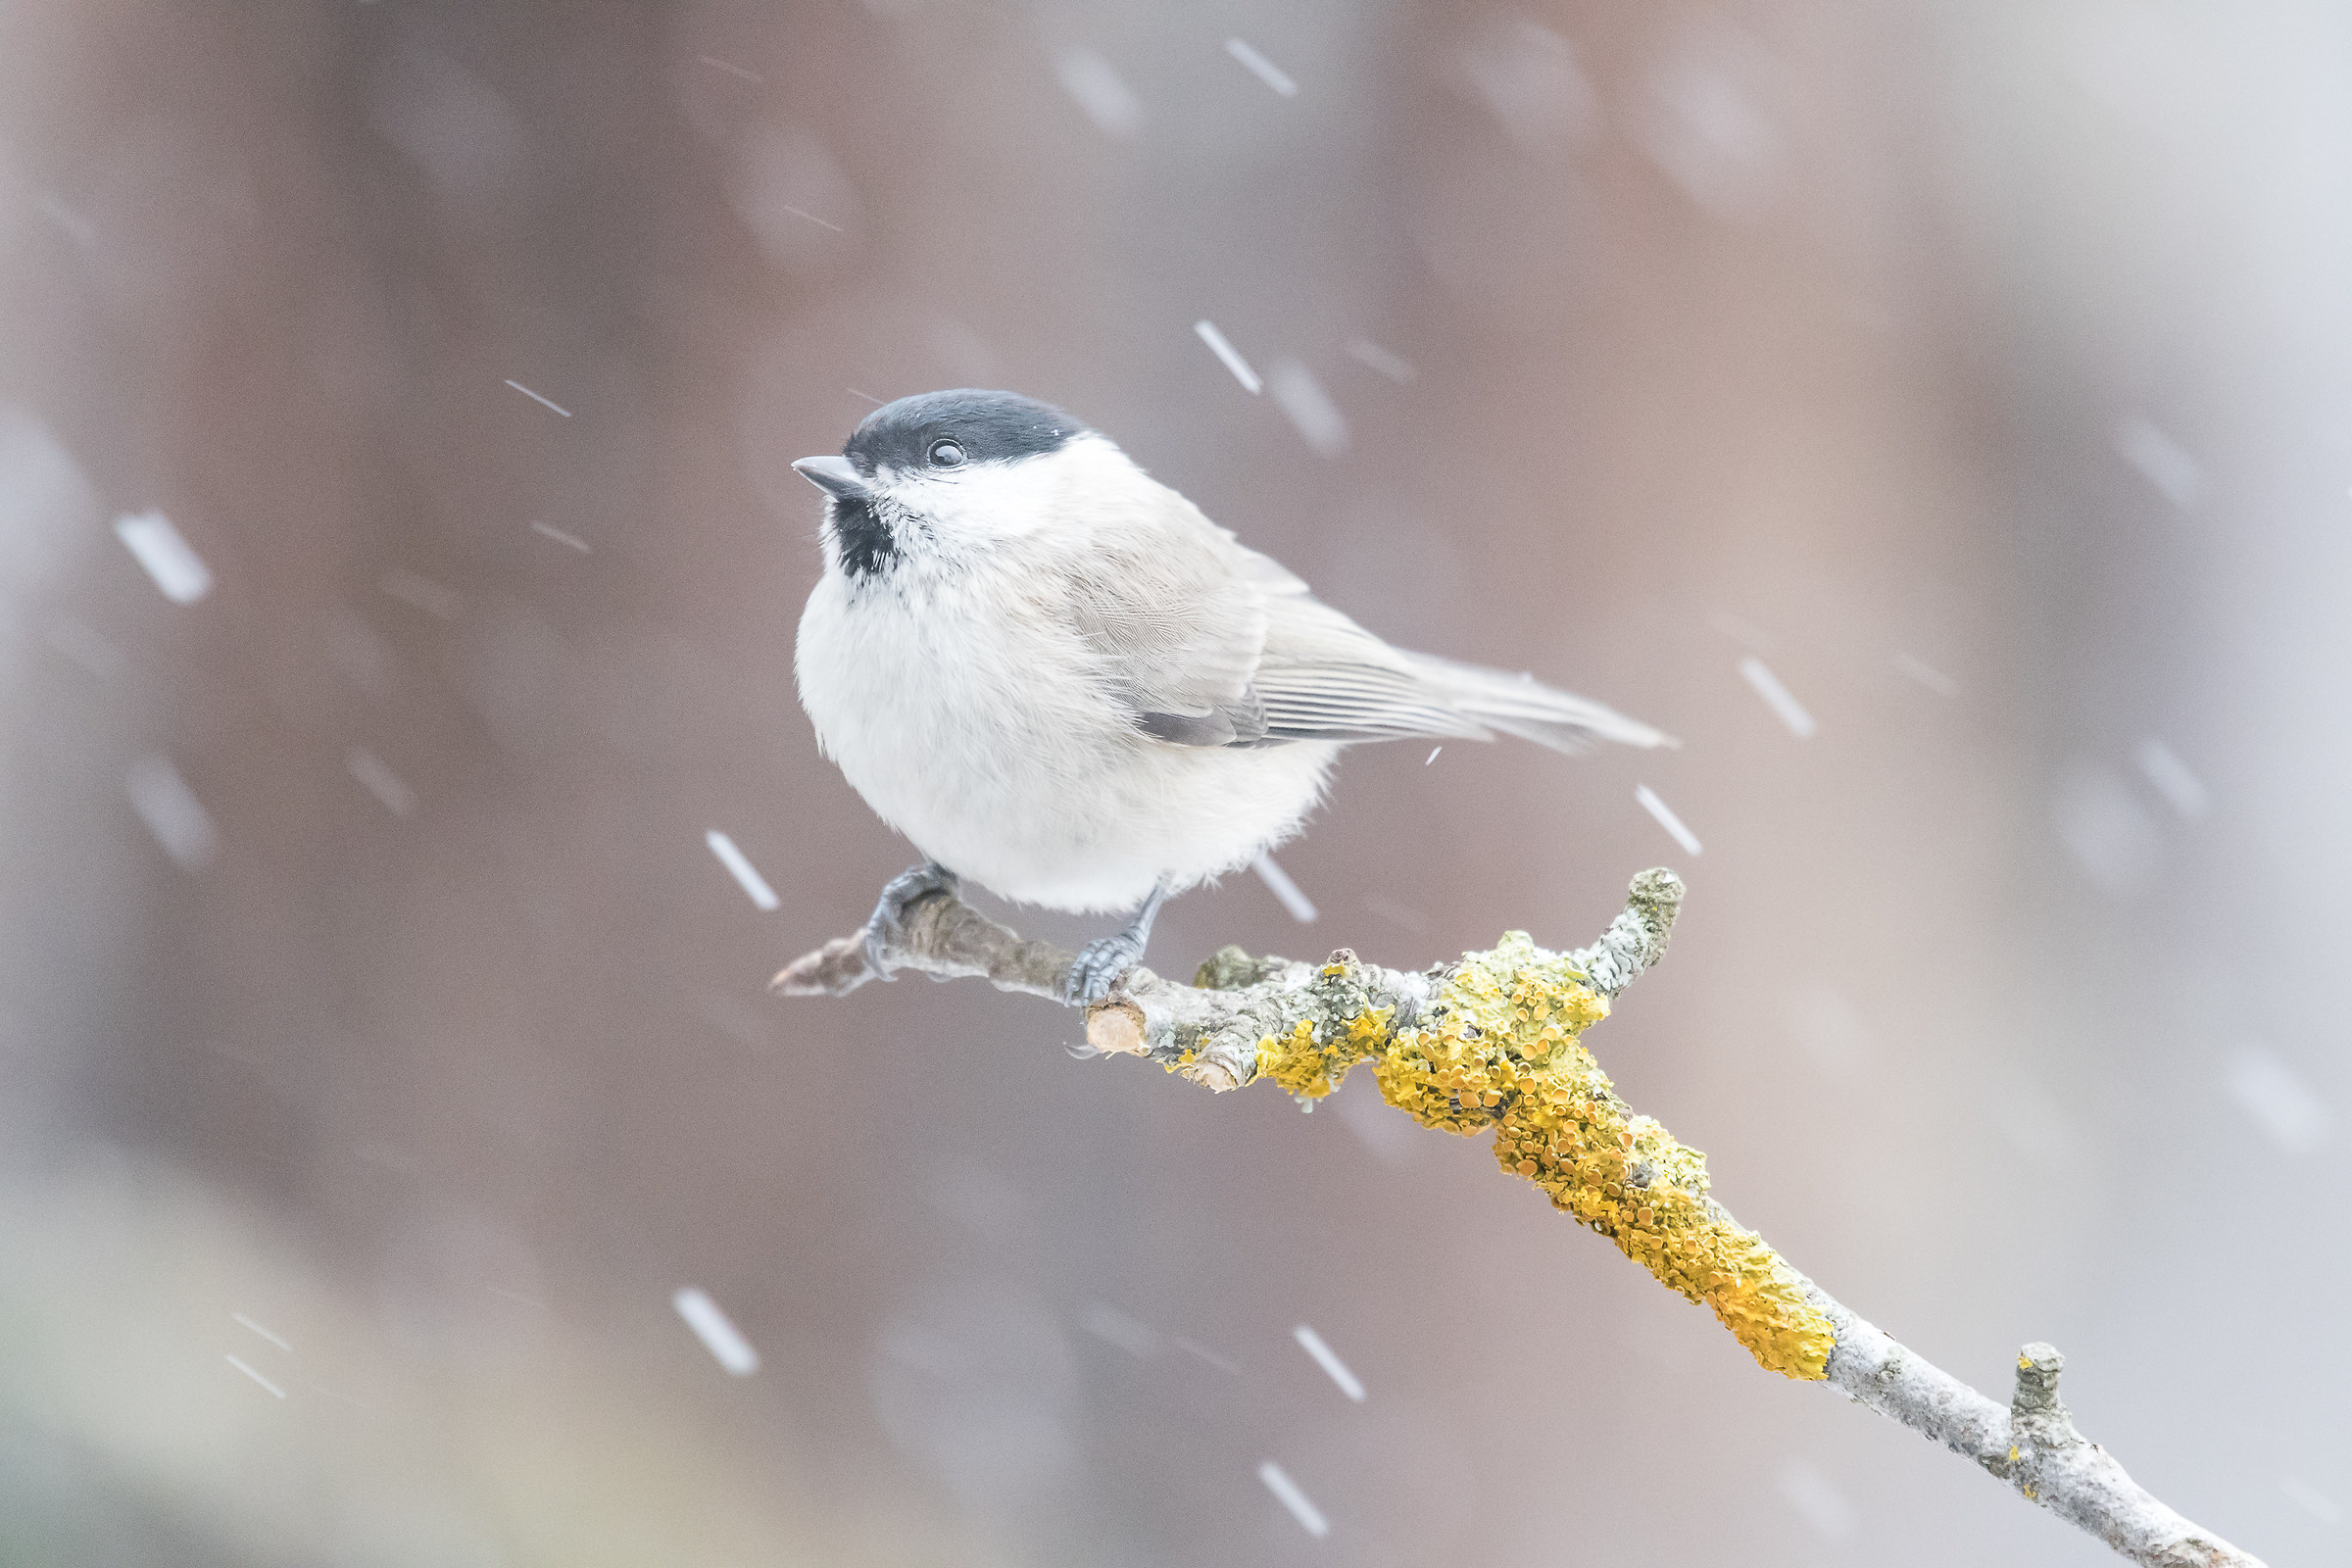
[[1059, 679]]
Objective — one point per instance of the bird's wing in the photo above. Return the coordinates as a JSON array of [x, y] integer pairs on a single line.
[[1324, 677], [1212, 644], [1176, 615]]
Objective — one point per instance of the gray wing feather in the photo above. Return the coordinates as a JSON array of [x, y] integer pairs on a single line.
[[1179, 631], [1213, 644], [1325, 677]]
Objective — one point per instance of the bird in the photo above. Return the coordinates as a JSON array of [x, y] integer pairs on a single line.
[[1058, 678]]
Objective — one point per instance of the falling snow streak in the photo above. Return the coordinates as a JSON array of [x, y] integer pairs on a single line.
[[1367, 353], [168, 559], [1278, 1482], [2161, 461], [2312, 1501], [242, 1320], [1100, 91], [1302, 907], [2275, 1097], [173, 814], [1261, 67], [536, 398], [2180, 788], [1665, 817], [1207, 332], [1202, 1352], [1328, 1359], [275, 1391], [1311, 408], [1777, 698], [1927, 674], [1411, 919], [746, 874], [1812, 1494], [378, 780], [725, 1343], [442, 604], [1114, 1327]]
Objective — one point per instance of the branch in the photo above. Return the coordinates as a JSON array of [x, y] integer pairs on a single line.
[[1491, 1039]]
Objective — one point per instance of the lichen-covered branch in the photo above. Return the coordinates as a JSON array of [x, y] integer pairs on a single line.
[[1494, 1040]]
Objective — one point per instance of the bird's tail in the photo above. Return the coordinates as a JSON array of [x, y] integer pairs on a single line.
[[1522, 706]]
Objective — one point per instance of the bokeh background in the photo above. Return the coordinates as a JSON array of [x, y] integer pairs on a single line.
[[381, 1048]]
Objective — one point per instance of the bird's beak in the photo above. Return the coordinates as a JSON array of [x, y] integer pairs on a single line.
[[833, 476]]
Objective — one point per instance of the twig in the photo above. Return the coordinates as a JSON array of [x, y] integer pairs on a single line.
[[1493, 1040]]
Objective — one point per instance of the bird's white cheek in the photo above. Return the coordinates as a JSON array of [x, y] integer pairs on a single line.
[[986, 503]]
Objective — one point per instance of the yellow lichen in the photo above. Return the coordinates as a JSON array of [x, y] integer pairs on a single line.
[[1499, 1049], [1308, 1068]]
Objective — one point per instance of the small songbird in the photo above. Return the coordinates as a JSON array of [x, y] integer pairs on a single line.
[[1058, 678]]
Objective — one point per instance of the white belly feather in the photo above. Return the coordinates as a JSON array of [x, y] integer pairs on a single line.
[[980, 735]]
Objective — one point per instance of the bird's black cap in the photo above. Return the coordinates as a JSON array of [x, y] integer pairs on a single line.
[[988, 426]]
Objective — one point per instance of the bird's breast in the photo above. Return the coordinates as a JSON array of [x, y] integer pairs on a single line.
[[957, 687], [979, 725]]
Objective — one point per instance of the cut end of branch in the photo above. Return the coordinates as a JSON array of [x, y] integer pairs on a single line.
[[835, 969], [1116, 1028], [1211, 1074], [1657, 885], [2037, 1368]]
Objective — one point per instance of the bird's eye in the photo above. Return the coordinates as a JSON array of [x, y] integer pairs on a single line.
[[945, 454]]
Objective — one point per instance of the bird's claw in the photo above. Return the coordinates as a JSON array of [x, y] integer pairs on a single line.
[[1100, 965], [886, 929]]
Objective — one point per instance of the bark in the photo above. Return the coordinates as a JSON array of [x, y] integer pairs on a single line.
[[1493, 1040]]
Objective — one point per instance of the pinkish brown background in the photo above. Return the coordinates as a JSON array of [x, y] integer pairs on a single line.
[[1980, 368]]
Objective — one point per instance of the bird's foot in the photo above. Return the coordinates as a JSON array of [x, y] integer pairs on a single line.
[[1100, 965], [887, 929]]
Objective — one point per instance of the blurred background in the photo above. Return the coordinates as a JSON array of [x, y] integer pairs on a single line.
[[1938, 415]]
